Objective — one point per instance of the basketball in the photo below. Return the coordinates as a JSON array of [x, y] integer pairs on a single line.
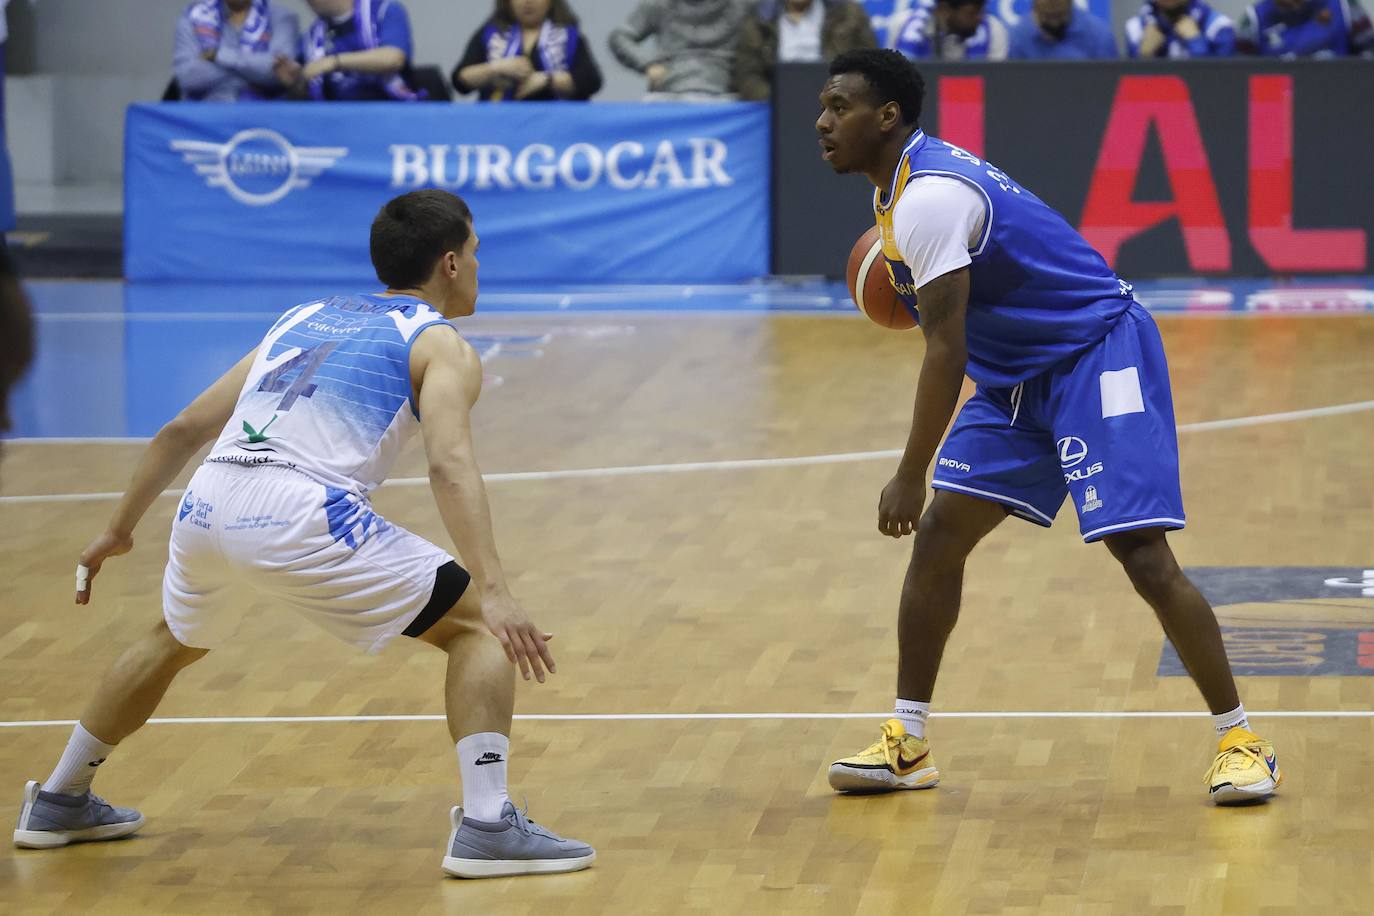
[[870, 286]]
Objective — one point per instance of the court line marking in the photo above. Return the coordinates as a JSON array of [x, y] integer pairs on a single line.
[[725, 465], [712, 716]]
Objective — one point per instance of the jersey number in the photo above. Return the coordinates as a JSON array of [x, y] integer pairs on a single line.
[[308, 362]]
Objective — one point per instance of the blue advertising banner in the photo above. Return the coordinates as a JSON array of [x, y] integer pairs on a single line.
[[560, 192]]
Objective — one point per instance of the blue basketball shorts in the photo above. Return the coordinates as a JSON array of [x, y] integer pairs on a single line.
[[1097, 427]]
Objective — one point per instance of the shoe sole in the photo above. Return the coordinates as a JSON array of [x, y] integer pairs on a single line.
[[858, 780], [1235, 795], [52, 839], [506, 868]]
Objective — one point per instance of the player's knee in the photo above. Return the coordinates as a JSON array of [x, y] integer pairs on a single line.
[[940, 542], [161, 650], [1148, 561], [462, 619]]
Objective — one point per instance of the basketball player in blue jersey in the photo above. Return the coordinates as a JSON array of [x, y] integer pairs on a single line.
[[308, 424], [1073, 400]]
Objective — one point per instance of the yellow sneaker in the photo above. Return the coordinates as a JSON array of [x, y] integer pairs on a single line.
[[895, 761], [1245, 769]]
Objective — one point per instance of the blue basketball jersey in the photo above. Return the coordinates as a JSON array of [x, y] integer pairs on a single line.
[[329, 392], [1039, 293]]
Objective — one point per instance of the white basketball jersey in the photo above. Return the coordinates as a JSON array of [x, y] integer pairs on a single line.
[[329, 392]]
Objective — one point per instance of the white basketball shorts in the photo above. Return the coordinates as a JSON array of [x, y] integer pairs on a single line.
[[277, 532]]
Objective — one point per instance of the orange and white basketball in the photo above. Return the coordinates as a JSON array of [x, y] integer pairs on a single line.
[[870, 285]]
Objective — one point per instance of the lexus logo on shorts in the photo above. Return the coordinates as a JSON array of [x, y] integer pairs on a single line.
[[258, 166], [1072, 451]]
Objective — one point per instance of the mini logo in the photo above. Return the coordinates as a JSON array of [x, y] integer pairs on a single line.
[[955, 464], [258, 435], [1072, 451], [187, 505], [1090, 501], [96, 763], [258, 166], [1083, 473], [904, 766], [489, 757]]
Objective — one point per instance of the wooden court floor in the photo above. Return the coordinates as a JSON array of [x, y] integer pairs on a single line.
[[754, 589]]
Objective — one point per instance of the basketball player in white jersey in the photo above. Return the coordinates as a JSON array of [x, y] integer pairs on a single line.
[[308, 424]]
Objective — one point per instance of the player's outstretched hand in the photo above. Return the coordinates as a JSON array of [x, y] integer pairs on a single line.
[[526, 645], [899, 508], [94, 556]]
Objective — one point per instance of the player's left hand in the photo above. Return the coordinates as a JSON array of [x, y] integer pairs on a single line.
[[900, 506], [108, 544], [525, 644]]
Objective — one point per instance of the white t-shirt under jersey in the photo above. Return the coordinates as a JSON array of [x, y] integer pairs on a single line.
[[936, 221]]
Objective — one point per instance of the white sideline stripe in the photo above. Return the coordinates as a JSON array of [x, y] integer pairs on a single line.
[[689, 467], [708, 716], [1285, 417]]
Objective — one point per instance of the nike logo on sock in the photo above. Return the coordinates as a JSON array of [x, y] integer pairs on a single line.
[[489, 757], [96, 763]]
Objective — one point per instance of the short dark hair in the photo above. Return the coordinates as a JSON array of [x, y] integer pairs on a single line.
[[891, 76], [560, 13], [413, 231]]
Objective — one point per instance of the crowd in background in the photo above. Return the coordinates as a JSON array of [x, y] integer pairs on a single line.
[[696, 49]]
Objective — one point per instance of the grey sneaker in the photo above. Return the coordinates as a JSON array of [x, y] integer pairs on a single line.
[[514, 845], [49, 819]]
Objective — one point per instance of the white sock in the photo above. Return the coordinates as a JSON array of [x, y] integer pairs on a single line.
[[912, 715], [1229, 720], [482, 764], [76, 769]]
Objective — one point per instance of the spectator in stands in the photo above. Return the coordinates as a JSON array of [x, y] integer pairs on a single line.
[[783, 31], [694, 50], [953, 30], [356, 50], [1056, 30], [529, 50], [227, 50], [1178, 29], [1305, 28]]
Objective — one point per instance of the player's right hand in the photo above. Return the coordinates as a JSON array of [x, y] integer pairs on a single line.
[[900, 506], [108, 544], [526, 645]]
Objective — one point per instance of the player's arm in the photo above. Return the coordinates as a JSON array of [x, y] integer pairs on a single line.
[[933, 223], [943, 303], [159, 465], [448, 375]]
